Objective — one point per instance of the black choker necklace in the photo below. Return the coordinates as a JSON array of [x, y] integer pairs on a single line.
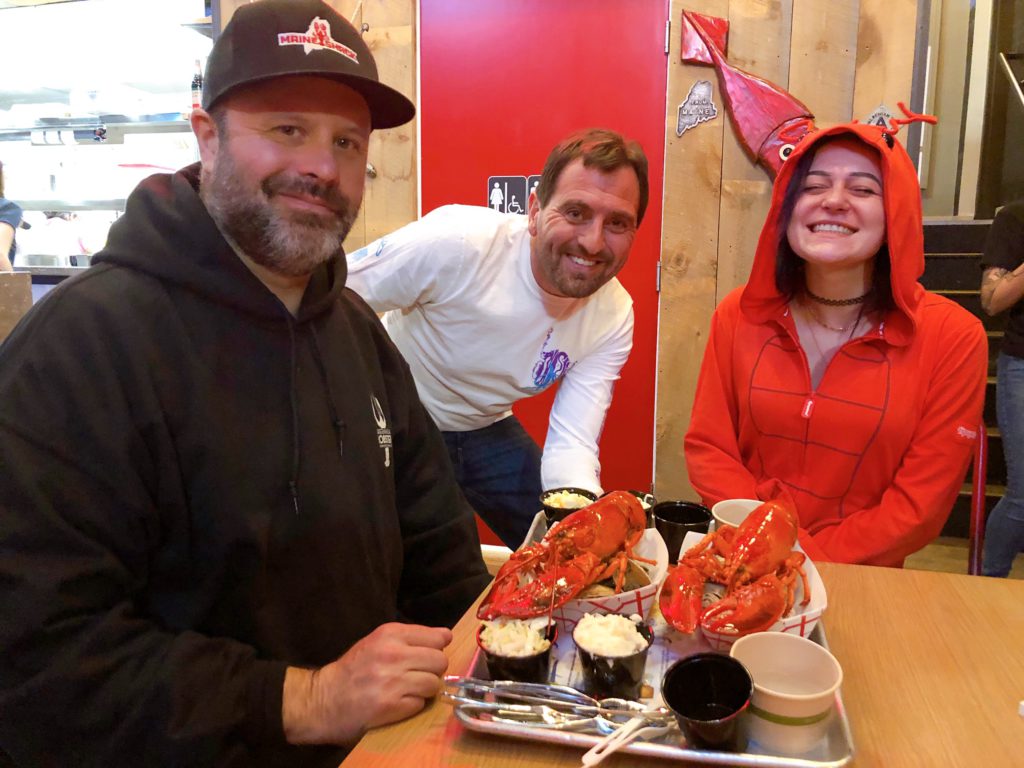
[[836, 302]]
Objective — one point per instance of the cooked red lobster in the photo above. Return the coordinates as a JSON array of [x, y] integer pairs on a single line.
[[754, 561], [590, 544]]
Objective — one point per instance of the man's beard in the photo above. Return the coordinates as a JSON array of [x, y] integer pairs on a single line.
[[290, 243]]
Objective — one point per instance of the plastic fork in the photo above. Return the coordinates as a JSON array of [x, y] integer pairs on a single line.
[[622, 735]]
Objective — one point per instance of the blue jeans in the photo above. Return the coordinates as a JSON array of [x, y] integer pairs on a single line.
[[498, 468], [1004, 531]]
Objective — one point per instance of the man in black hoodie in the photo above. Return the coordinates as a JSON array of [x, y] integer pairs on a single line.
[[220, 493]]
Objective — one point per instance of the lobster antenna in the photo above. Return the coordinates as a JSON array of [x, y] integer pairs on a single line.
[[895, 123]]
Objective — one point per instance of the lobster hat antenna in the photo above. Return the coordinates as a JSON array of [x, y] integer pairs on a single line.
[[895, 123]]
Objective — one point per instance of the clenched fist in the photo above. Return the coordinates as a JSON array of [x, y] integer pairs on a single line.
[[385, 677]]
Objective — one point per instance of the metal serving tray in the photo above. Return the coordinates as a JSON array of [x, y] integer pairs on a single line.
[[836, 749]]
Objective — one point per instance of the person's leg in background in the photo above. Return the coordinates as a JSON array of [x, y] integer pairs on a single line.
[[498, 469], [1004, 531]]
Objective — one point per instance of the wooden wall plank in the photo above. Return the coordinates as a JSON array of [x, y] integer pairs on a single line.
[[759, 35], [885, 54], [689, 257], [390, 198], [823, 57], [357, 235], [943, 142]]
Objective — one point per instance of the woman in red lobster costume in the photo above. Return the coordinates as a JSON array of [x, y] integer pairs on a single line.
[[832, 380]]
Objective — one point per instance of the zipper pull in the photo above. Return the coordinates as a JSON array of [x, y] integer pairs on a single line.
[[808, 408]]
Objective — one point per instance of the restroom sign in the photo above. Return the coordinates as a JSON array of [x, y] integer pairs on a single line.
[[507, 194], [531, 185]]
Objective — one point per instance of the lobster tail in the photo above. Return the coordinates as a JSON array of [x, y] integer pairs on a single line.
[[695, 49]]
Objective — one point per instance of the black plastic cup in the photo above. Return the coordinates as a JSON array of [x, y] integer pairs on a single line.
[[620, 677], [707, 692], [674, 519], [554, 514], [522, 669]]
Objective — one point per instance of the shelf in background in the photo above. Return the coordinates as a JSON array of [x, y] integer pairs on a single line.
[[116, 204], [82, 129]]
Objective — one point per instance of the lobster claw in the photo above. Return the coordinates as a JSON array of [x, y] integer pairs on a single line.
[[680, 597], [751, 608], [506, 581], [761, 543]]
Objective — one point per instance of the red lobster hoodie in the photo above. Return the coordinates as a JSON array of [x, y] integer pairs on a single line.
[[874, 456]]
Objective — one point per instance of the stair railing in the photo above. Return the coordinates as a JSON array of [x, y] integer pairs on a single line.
[[977, 524], [1016, 80]]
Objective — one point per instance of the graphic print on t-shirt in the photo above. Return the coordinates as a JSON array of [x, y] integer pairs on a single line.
[[551, 367]]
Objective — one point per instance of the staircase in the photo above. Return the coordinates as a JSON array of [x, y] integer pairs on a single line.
[[952, 250]]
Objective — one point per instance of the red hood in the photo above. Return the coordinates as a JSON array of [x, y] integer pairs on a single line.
[[762, 301]]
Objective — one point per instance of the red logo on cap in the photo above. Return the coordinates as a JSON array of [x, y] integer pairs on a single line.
[[317, 38]]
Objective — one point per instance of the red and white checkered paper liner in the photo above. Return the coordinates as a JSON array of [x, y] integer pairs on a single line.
[[635, 601], [800, 621]]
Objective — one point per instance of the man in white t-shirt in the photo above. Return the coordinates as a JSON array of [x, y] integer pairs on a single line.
[[489, 308]]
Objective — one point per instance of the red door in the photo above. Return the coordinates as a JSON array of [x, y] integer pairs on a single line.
[[502, 81]]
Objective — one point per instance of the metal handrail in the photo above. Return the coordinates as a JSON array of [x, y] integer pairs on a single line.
[[1004, 59]]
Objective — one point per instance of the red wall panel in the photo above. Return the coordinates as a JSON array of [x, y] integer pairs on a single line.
[[502, 81]]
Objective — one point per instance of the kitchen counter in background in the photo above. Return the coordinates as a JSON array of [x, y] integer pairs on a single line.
[[44, 278]]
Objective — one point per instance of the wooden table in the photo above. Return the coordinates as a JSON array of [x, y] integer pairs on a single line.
[[933, 674]]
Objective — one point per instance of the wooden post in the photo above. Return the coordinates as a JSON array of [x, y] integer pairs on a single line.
[[389, 198], [885, 55], [689, 256], [15, 299], [390, 201], [823, 58], [759, 38]]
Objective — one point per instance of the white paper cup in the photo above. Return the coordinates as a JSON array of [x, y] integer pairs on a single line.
[[733, 511], [795, 684]]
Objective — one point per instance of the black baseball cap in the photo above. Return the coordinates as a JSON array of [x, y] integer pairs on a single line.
[[276, 38]]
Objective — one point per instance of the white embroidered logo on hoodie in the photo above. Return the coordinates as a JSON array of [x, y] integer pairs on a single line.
[[383, 433]]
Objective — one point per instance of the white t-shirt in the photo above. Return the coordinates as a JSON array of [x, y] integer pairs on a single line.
[[465, 310]]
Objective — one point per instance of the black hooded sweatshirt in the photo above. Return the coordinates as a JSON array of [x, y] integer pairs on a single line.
[[198, 489]]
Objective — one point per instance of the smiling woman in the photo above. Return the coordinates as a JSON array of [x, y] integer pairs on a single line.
[[834, 218], [838, 222], [832, 379]]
